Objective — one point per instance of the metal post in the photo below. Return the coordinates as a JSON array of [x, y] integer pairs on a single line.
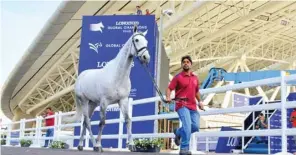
[[268, 119], [253, 113], [283, 112], [130, 113], [207, 144], [243, 138], [159, 51], [9, 128], [38, 130], [55, 128], [159, 48], [59, 123], [193, 142], [22, 126]]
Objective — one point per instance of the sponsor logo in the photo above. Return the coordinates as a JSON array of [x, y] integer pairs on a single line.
[[95, 47], [112, 109], [101, 64], [97, 27]]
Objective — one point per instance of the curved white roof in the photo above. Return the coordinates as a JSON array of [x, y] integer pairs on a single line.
[[261, 35]]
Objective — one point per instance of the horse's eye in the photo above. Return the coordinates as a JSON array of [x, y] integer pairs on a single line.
[[137, 40]]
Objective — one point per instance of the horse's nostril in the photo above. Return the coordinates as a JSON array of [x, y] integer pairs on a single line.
[[144, 57]]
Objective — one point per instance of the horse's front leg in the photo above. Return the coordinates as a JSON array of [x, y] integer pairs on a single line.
[[123, 104], [101, 126]]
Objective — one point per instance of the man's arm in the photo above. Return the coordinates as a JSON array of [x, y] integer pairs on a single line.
[[257, 125], [292, 118], [168, 95], [264, 123], [197, 96], [171, 87]]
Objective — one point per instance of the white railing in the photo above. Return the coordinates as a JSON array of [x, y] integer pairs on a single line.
[[284, 132]]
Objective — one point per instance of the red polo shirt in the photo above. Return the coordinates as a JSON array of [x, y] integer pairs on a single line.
[[49, 121], [185, 86], [293, 122]]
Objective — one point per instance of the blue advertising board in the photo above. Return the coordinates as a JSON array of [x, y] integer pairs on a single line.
[[14, 135], [101, 40], [240, 100], [275, 123], [226, 144], [244, 100]]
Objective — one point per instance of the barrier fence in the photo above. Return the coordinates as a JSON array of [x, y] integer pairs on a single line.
[[283, 132]]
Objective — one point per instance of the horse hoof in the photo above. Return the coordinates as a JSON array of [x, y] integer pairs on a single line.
[[98, 149], [132, 148], [80, 148]]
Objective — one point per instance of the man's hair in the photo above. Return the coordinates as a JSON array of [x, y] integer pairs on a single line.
[[186, 57], [261, 114], [48, 108]]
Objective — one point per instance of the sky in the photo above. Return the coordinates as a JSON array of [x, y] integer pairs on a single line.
[[21, 21]]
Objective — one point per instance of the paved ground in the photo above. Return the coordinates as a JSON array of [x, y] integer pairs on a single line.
[[45, 151]]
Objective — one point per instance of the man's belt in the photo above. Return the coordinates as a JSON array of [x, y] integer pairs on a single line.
[[181, 99]]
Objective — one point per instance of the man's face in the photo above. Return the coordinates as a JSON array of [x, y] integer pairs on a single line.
[[186, 64], [47, 110], [261, 117]]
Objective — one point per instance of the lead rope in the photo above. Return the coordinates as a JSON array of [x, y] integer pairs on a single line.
[[155, 85], [146, 69]]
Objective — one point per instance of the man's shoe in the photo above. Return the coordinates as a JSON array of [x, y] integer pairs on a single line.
[[184, 152], [177, 138]]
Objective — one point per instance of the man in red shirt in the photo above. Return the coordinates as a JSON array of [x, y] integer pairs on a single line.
[[186, 89], [49, 122], [293, 120]]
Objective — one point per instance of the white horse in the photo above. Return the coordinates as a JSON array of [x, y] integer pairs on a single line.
[[109, 85]]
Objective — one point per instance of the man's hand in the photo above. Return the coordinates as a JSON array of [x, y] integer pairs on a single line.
[[168, 99], [201, 106]]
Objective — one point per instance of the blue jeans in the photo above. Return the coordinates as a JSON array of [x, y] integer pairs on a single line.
[[49, 133], [259, 139], [190, 124]]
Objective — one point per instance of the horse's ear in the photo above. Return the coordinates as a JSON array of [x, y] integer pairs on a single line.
[[144, 33], [135, 28]]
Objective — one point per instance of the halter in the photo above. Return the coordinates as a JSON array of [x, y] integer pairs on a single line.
[[139, 50]]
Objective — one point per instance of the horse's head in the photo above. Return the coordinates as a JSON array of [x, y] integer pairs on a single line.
[[140, 46]]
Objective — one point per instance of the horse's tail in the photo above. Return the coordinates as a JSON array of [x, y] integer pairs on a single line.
[[77, 115]]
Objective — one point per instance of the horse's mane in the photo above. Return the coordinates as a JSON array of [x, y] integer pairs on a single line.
[[120, 53]]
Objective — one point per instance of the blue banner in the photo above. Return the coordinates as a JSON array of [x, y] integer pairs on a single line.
[[240, 100], [275, 123], [102, 38], [254, 100], [14, 135], [226, 144]]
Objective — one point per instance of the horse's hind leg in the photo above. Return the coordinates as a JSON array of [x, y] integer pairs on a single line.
[[103, 107], [87, 115], [80, 145], [123, 104]]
